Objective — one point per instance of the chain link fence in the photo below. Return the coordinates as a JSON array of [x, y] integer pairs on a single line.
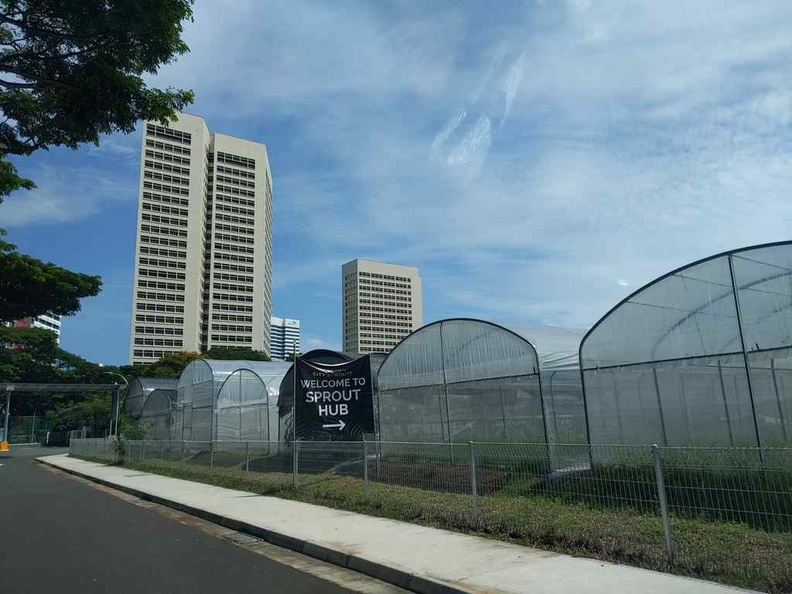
[[701, 509], [27, 429]]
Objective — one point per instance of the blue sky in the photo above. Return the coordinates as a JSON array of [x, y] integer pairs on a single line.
[[538, 160]]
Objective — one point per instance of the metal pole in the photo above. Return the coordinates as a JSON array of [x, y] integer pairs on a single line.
[[725, 403], [585, 405], [365, 469], [117, 409], [211, 456], [247, 456], [445, 393], [295, 450], [548, 452], [184, 450], [777, 395], [269, 421], [144, 450], [745, 356], [295, 442], [660, 406], [503, 412], [294, 399], [162, 450], [117, 404], [9, 389], [661, 494], [473, 486]]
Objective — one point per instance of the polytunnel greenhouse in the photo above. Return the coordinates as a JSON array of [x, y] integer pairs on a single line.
[[141, 388], [228, 400], [700, 356], [464, 380], [156, 420]]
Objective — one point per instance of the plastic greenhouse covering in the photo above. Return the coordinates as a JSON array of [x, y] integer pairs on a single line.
[[228, 400], [701, 356], [139, 390], [472, 380], [157, 416]]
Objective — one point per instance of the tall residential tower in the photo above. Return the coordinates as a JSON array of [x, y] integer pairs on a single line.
[[382, 304], [284, 338], [203, 255]]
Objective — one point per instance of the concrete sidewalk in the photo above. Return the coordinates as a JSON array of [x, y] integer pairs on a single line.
[[424, 560]]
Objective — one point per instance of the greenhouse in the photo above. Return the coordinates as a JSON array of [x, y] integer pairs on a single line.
[[461, 380], [156, 420], [141, 388], [700, 356], [228, 400], [326, 356]]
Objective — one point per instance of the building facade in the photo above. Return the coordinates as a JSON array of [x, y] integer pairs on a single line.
[[203, 254], [284, 337], [46, 321], [382, 303]]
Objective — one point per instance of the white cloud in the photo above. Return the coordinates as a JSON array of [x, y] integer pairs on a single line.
[[538, 160], [67, 192]]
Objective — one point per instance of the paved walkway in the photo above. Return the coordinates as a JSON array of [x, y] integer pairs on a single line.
[[425, 560]]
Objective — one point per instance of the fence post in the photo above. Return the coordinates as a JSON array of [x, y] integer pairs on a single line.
[[144, 451], [247, 456], [162, 449], [365, 469], [211, 456], [473, 486], [184, 450], [661, 494], [295, 450]]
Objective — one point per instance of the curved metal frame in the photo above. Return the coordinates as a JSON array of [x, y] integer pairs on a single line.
[[734, 293], [667, 275], [537, 370]]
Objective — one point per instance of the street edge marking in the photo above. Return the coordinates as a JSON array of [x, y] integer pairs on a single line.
[[391, 575]]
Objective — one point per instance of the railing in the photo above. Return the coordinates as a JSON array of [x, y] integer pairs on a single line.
[[662, 499]]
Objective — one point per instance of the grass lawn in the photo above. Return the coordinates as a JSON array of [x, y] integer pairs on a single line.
[[731, 553]]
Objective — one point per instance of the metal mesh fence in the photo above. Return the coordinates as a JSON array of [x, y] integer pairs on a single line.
[[658, 507], [96, 448]]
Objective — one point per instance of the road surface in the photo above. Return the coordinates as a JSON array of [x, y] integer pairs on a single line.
[[62, 535]]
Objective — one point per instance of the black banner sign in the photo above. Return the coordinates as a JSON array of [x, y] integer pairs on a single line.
[[333, 400]]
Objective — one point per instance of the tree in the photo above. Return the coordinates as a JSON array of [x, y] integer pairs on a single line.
[[30, 287], [172, 365], [32, 355], [71, 70], [235, 354], [169, 366], [92, 411]]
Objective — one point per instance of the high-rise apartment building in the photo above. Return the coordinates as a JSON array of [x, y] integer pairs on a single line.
[[284, 337], [203, 255], [46, 321], [382, 304]]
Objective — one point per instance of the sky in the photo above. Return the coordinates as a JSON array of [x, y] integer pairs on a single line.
[[537, 160]]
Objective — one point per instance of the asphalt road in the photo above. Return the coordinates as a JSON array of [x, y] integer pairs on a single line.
[[60, 535]]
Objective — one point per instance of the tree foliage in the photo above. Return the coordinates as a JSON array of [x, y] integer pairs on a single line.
[[173, 365], [71, 70], [169, 366], [30, 287], [32, 355], [235, 354]]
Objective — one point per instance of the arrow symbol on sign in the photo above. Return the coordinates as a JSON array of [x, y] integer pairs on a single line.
[[340, 425]]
